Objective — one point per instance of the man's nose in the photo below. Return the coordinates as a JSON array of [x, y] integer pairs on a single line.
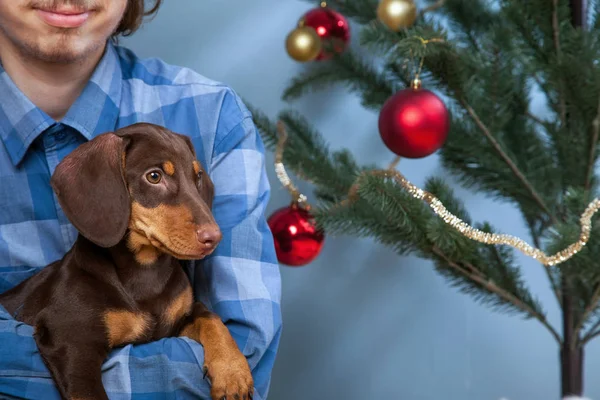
[[210, 236]]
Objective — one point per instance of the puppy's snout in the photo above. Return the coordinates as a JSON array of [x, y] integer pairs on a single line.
[[209, 236]]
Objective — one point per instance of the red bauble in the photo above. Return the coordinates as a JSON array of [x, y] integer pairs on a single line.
[[297, 239], [414, 123], [331, 26]]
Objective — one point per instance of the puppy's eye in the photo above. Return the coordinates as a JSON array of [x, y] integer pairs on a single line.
[[199, 175], [153, 177]]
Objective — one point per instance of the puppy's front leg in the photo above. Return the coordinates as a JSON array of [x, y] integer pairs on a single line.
[[74, 359], [224, 363]]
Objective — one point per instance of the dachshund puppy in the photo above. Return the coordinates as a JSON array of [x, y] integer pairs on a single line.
[[140, 201]]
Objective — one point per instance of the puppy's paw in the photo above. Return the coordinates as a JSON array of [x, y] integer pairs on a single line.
[[230, 378]]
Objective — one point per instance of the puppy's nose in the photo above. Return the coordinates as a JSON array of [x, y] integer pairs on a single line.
[[209, 236]]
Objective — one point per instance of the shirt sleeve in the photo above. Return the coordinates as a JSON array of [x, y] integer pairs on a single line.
[[240, 281], [167, 368]]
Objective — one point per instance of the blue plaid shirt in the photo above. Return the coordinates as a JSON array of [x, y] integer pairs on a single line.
[[240, 281]]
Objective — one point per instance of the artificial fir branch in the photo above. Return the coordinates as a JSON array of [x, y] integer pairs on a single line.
[[592, 333], [595, 14], [593, 150], [376, 37], [434, 6], [471, 279], [507, 160], [460, 225], [555, 27], [490, 286], [556, 36], [349, 69], [536, 119], [333, 171], [592, 304], [464, 276], [511, 293], [357, 190]]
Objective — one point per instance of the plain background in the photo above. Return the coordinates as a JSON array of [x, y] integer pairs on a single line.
[[361, 322]]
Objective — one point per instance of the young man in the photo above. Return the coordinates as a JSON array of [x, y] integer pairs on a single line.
[[63, 81]]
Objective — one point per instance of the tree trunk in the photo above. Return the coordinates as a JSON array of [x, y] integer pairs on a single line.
[[571, 353], [571, 370], [578, 13]]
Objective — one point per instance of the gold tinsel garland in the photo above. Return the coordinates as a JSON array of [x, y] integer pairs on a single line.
[[439, 209]]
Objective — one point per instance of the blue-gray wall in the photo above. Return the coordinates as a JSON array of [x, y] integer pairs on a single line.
[[361, 322]]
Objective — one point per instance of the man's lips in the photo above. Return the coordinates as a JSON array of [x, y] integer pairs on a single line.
[[64, 18]]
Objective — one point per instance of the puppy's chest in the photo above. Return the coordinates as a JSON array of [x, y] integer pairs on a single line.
[[148, 320]]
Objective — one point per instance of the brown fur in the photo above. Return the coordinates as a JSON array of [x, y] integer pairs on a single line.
[[123, 272]]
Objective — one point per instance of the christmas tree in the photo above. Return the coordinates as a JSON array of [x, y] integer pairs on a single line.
[[456, 77]]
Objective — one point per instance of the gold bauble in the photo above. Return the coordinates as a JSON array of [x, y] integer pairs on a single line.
[[397, 14], [303, 44]]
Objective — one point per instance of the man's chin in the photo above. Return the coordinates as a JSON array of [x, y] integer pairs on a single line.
[[60, 56], [61, 51]]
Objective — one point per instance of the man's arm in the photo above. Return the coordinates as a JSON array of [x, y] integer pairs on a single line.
[[170, 367], [241, 280]]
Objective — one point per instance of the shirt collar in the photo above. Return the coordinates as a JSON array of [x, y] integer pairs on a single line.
[[95, 111]]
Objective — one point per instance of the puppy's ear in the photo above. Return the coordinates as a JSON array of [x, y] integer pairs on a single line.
[[92, 191], [189, 143]]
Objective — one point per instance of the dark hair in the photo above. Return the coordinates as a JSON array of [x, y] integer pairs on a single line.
[[134, 16]]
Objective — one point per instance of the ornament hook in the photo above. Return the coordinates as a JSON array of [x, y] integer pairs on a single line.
[[416, 82]]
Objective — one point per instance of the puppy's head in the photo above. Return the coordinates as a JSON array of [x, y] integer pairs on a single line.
[[144, 184]]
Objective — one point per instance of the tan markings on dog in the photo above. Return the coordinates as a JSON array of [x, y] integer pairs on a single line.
[[169, 168], [227, 367], [125, 326], [169, 229], [179, 307], [155, 243], [144, 251], [196, 167]]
